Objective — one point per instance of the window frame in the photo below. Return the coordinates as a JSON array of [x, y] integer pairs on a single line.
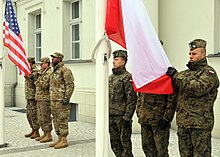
[[37, 31], [76, 21]]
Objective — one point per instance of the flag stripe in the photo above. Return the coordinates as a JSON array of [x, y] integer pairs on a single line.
[[13, 41]]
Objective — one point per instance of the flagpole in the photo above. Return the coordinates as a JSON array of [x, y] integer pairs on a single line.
[[2, 91], [102, 136]]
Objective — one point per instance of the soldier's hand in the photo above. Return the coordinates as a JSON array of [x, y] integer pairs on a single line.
[[33, 78], [171, 71], [126, 122], [163, 124], [65, 101]]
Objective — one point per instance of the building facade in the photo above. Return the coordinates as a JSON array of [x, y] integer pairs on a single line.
[[71, 26]]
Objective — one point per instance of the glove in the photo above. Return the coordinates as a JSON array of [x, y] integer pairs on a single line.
[[65, 102], [126, 122], [33, 78], [163, 124], [171, 71]]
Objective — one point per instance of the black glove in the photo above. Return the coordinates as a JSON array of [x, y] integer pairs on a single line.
[[171, 71], [65, 102], [33, 78], [163, 124], [127, 123]]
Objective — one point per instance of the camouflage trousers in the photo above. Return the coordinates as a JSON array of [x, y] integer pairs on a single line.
[[31, 114], [120, 137], [155, 141], [60, 118], [194, 142], [44, 116]]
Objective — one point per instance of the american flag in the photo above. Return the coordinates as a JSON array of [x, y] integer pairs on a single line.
[[13, 41]]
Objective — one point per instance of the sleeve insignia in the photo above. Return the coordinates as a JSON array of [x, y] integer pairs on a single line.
[[211, 72]]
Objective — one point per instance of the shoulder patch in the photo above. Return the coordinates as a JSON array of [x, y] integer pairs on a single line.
[[211, 72]]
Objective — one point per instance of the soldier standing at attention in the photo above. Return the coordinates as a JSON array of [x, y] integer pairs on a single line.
[[61, 89], [197, 92], [122, 103], [155, 112], [31, 106], [42, 97]]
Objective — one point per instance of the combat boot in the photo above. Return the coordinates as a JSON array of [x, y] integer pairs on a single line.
[[29, 135], [36, 134], [62, 144], [39, 138], [46, 138], [55, 143]]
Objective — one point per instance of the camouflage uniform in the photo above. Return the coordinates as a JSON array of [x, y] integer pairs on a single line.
[[61, 86], [42, 97], [30, 90], [197, 91], [122, 103], [151, 108]]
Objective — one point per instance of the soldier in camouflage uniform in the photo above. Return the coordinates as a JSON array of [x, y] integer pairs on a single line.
[[31, 106], [155, 112], [61, 89], [197, 91], [122, 103], [42, 97]]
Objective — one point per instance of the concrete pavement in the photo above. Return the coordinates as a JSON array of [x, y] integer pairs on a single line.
[[81, 140]]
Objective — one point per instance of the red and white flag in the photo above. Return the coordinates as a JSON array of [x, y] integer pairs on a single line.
[[128, 24], [13, 41]]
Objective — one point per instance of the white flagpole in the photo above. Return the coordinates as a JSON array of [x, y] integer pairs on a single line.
[[102, 133], [2, 85]]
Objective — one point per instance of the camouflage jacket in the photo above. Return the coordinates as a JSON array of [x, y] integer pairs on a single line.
[[197, 91], [122, 98], [30, 88], [61, 82], [42, 85], [152, 107]]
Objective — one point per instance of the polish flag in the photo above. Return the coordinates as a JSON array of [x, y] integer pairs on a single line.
[[128, 24]]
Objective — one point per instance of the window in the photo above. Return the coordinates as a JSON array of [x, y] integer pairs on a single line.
[[75, 24], [37, 32]]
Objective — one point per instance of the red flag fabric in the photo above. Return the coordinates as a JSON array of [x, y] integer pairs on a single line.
[[13, 41], [128, 24], [114, 23]]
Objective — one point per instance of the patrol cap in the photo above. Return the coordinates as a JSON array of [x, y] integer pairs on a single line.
[[31, 59], [120, 53], [197, 43], [45, 60], [57, 55]]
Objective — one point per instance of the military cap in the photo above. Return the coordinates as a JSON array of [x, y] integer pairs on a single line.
[[31, 59], [45, 60], [57, 55], [197, 43], [120, 53]]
